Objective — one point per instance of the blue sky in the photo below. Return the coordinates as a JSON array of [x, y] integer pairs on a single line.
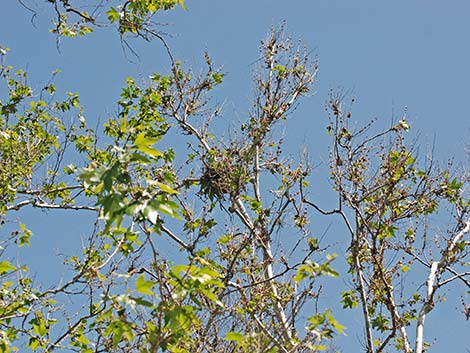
[[389, 55], [392, 56]]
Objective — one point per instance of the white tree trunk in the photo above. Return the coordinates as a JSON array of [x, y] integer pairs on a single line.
[[437, 268]]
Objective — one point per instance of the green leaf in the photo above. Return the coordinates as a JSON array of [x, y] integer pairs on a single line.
[[166, 188], [183, 6], [113, 15], [405, 268], [160, 205], [40, 329], [110, 175], [306, 270], [150, 213], [143, 286], [142, 302], [112, 205], [168, 209], [143, 143], [350, 300], [333, 322], [143, 140], [234, 336], [136, 157], [25, 235], [380, 323], [5, 267], [34, 343], [279, 69], [217, 77]]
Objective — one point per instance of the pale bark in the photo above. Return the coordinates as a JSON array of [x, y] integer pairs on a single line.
[[437, 267]]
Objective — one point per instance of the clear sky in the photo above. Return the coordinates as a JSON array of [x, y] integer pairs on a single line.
[[393, 56]]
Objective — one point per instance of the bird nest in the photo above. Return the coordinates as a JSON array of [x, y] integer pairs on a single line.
[[224, 176]]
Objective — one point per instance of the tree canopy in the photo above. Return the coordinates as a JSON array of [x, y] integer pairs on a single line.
[[248, 273]]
